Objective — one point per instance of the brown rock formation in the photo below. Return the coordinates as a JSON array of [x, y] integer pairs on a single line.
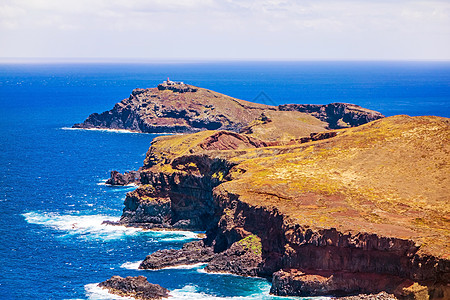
[[181, 108], [136, 287], [360, 203], [302, 283], [191, 253], [337, 115], [177, 108], [124, 179]]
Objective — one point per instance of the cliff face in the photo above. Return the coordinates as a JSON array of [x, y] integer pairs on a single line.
[[183, 108], [337, 115], [362, 205], [178, 108]]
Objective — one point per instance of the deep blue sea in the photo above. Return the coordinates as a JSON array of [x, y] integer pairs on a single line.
[[52, 196]]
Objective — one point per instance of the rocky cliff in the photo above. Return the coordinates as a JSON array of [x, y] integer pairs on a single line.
[[337, 115], [181, 108], [346, 213]]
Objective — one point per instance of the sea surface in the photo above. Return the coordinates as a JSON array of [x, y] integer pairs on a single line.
[[53, 200]]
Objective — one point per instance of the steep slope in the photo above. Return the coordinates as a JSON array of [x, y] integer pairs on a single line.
[[365, 206], [337, 115], [181, 108], [178, 108]]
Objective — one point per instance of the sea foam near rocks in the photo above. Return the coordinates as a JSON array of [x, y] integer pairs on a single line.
[[94, 292], [135, 266], [93, 227], [101, 129], [131, 265], [86, 226], [192, 292]]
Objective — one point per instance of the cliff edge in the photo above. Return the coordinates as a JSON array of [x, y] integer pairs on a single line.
[[175, 107], [356, 210]]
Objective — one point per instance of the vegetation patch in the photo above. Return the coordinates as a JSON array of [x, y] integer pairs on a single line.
[[251, 243]]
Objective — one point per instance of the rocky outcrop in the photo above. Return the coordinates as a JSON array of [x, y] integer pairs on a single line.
[[124, 179], [379, 296], [306, 283], [177, 87], [191, 253], [337, 115], [136, 287], [329, 215], [301, 283], [174, 107], [242, 258]]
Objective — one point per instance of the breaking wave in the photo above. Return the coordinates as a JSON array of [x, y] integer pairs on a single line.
[[94, 292], [82, 225], [92, 226]]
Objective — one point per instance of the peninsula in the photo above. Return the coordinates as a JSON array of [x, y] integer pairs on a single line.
[[174, 107], [324, 200]]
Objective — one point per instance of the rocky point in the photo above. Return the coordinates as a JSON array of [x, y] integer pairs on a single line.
[[357, 210]]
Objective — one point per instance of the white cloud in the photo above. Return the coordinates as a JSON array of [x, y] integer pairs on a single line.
[[321, 29]]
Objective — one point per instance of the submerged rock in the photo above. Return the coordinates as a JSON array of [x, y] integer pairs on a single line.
[[136, 287]]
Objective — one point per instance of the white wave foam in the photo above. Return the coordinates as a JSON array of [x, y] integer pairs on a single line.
[[135, 266], [188, 292], [102, 129], [176, 236], [131, 265], [127, 186], [121, 131], [91, 226], [94, 292], [261, 293], [82, 225], [102, 181]]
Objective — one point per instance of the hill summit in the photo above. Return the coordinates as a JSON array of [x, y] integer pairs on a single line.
[[177, 107]]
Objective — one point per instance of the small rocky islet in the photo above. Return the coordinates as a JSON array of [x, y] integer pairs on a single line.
[[323, 199]]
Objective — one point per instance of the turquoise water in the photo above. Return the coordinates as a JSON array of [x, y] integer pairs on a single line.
[[52, 197]]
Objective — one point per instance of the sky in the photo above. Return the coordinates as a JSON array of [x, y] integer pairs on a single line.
[[225, 30]]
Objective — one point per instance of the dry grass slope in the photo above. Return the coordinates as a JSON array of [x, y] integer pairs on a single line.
[[389, 177]]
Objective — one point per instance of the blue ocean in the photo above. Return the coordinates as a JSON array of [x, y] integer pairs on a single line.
[[52, 194]]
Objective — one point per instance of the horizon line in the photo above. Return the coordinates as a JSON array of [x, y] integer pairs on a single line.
[[118, 60]]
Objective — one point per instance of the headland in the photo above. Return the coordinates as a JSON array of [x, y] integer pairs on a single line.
[[319, 210]]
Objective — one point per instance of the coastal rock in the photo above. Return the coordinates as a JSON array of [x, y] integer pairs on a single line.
[[124, 179], [136, 287], [142, 210], [242, 258], [379, 296], [175, 107], [366, 202], [337, 115], [301, 283], [191, 253]]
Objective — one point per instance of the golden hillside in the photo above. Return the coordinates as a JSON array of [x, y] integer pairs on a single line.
[[389, 177]]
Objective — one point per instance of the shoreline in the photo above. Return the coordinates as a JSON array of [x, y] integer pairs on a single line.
[[120, 131]]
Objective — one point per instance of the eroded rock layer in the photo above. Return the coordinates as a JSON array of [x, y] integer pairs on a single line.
[[359, 203]]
